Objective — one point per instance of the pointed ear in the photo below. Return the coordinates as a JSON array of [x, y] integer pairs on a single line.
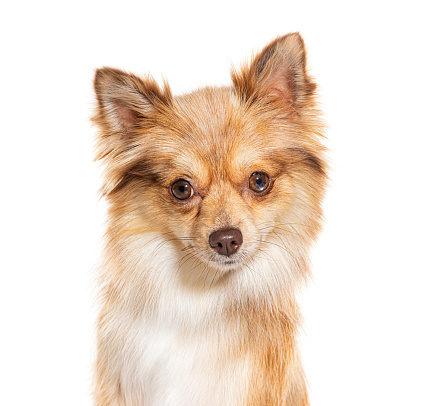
[[125, 101], [126, 107], [278, 72]]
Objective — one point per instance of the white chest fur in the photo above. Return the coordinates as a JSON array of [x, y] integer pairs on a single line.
[[177, 367]]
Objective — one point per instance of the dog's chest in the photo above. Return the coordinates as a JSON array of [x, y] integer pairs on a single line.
[[178, 367]]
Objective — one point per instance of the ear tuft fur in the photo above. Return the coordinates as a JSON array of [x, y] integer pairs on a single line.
[[125, 101], [279, 73], [127, 107]]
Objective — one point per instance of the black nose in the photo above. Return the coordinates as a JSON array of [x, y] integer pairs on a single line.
[[227, 241]]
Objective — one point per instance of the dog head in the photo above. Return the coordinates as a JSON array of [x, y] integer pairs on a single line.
[[229, 176]]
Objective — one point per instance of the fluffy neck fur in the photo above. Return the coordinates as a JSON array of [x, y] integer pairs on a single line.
[[246, 338]]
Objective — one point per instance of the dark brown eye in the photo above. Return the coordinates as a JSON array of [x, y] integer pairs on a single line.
[[181, 189], [259, 182]]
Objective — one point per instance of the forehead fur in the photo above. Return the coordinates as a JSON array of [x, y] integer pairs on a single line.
[[211, 132]]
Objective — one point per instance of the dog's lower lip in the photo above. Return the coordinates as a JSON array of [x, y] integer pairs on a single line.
[[224, 262]]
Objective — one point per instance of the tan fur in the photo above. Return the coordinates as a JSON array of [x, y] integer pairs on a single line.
[[237, 321]]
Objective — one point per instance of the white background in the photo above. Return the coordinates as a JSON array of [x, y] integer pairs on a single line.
[[364, 331]]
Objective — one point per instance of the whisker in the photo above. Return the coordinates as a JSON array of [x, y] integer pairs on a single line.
[[259, 275], [281, 229], [187, 248], [279, 246], [184, 259], [212, 282], [205, 279]]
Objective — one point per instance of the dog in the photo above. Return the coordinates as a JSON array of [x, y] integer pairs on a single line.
[[214, 202]]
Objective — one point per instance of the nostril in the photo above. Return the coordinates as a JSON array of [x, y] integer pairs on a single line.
[[226, 241]]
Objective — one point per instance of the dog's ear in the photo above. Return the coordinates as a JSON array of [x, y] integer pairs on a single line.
[[127, 108], [279, 73], [125, 101]]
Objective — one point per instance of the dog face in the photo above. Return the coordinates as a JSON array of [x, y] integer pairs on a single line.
[[229, 176]]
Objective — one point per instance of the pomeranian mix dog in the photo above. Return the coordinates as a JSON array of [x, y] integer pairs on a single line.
[[214, 201]]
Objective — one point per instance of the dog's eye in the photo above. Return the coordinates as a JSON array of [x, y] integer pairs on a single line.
[[181, 189], [259, 182]]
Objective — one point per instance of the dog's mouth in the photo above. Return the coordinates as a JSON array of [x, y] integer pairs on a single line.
[[225, 263], [207, 268], [225, 251]]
